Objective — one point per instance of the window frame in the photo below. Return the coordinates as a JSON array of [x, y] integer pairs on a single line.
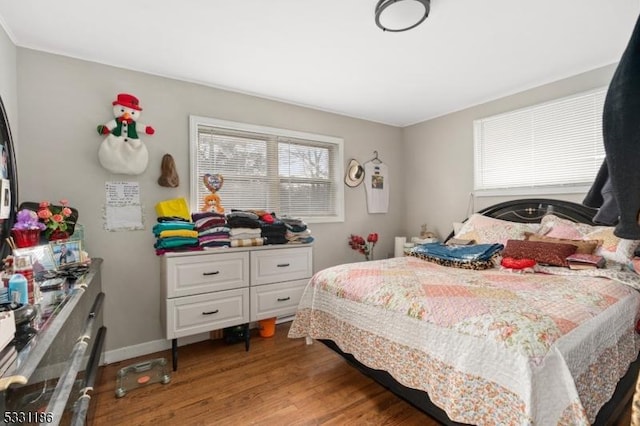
[[535, 190], [278, 134]]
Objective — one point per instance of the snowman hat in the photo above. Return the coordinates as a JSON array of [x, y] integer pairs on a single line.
[[128, 101]]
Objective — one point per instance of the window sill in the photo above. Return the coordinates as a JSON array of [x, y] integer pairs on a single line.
[[538, 191]]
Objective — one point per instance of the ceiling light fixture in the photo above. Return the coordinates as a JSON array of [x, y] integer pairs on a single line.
[[401, 15]]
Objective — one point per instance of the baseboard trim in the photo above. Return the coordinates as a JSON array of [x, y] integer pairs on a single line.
[[128, 352], [147, 348]]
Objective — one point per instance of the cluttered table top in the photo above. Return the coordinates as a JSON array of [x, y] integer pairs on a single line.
[[38, 324]]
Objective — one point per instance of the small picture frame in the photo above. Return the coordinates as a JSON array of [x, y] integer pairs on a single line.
[[41, 257], [66, 253], [5, 198]]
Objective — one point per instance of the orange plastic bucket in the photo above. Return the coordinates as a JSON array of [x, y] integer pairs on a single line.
[[267, 327]]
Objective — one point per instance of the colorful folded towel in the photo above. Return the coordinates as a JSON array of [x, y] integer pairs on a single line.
[[169, 226], [178, 233], [171, 242]]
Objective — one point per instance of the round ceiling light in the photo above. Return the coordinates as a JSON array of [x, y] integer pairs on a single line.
[[401, 15]]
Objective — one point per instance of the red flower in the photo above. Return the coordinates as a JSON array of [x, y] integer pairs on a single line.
[[356, 242]]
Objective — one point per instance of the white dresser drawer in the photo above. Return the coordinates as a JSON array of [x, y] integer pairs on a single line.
[[272, 266], [274, 300], [189, 275], [201, 313]]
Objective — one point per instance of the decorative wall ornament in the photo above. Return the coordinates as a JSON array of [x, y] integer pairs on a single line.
[[354, 175], [169, 175], [212, 201], [122, 151]]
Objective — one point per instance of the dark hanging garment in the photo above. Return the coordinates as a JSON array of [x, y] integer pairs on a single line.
[[621, 135], [601, 196]]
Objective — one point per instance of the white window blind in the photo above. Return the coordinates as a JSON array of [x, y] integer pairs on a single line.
[[287, 172], [556, 145]]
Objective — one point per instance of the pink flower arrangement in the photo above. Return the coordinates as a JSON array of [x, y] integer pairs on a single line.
[[358, 243], [54, 217]]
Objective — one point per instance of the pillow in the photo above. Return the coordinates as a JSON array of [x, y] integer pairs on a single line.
[[611, 248], [457, 226], [583, 246], [487, 230], [542, 252]]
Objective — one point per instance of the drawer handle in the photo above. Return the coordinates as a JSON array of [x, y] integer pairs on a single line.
[[284, 299], [211, 312], [211, 273], [283, 265]]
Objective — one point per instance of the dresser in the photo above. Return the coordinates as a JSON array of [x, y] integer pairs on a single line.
[[225, 287], [58, 354]]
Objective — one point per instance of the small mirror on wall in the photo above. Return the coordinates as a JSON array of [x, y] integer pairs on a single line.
[[8, 182]]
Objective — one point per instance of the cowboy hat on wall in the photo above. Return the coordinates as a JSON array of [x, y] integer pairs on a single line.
[[354, 175]]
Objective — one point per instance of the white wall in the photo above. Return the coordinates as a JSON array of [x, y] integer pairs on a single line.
[[62, 100], [438, 155], [9, 82]]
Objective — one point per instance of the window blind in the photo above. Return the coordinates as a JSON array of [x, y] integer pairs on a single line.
[[290, 173], [554, 144]]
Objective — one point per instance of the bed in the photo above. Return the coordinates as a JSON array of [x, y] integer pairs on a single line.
[[490, 346]]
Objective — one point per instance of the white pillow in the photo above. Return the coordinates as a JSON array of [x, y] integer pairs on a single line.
[[487, 230]]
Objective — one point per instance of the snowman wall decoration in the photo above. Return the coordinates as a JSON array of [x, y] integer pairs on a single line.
[[122, 151]]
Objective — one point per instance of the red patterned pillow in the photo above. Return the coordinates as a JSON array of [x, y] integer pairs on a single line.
[[554, 254]]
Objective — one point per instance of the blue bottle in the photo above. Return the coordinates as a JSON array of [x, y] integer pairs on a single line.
[[18, 283]]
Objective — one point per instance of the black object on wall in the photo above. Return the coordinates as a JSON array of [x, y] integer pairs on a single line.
[[7, 171]]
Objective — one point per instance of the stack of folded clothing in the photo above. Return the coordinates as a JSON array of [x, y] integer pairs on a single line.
[[297, 231], [274, 230], [175, 234], [212, 229], [244, 229]]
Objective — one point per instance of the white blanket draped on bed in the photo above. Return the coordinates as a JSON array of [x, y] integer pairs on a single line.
[[490, 347]]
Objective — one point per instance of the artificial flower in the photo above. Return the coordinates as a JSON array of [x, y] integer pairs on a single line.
[[55, 218], [358, 243], [27, 220]]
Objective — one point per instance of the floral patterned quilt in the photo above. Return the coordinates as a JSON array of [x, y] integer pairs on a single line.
[[490, 347]]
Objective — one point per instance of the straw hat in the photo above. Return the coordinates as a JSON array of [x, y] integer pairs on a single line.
[[354, 175]]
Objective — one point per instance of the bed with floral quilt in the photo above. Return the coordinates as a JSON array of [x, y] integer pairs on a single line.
[[490, 346]]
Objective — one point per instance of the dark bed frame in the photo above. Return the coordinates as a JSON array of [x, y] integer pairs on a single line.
[[525, 210]]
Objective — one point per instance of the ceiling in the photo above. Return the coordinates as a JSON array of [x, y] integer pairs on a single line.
[[329, 54]]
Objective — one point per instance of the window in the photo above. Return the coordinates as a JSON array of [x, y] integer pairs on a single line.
[[551, 147], [287, 172]]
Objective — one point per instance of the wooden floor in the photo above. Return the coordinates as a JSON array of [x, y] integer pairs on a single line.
[[280, 381]]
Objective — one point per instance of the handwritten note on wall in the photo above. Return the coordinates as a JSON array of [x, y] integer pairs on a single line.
[[123, 211]]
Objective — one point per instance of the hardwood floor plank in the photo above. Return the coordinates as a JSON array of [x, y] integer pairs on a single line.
[[280, 381]]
